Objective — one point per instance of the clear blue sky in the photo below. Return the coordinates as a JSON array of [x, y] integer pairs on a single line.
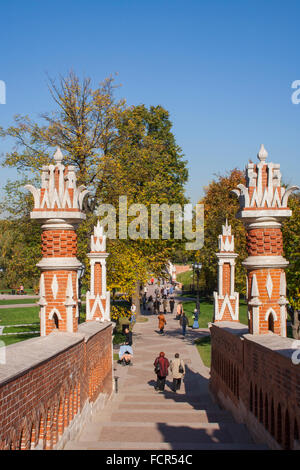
[[223, 69]]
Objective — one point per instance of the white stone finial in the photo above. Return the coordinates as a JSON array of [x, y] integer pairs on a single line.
[[98, 230], [226, 228], [262, 154], [58, 156]]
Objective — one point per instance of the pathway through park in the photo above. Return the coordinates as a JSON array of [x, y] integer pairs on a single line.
[[138, 417]]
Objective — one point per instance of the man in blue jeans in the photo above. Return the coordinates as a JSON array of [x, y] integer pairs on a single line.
[[183, 323]]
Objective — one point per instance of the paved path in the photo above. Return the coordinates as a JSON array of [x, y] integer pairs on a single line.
[[137, 417]]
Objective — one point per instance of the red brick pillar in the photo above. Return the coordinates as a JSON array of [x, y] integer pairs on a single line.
[[58, 206], [263, 207], [98, 298], [226, 300]]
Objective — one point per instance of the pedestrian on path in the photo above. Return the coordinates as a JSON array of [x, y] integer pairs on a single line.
[[179, 311], [165, 305], [178, 370], [161, 365], [183, 323], [161, 322], [133, 313], [128, 336], [172, 304], [150, 304]]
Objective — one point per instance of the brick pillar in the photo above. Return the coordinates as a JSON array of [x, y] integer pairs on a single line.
[[58, 206], [263, 207], [226, 300], [98, 298]]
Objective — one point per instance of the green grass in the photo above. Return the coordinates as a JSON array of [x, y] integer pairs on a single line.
[[19, 315], [118, 338], [116, 356], [185, 278], [18, 301], [207, 311], [204, 348], [11, 339], [19, 329]]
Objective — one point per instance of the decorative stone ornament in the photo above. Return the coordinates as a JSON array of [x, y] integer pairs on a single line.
[[226, 300], [263, 207], [58, 205], [98, 298]]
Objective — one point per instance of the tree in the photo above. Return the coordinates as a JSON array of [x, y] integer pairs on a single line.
[[219, 205], [117, 151], [291, 244]]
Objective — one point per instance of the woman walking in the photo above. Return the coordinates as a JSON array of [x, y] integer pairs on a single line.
[[179, 310], [161, 322], [161, 365], [178, 370]]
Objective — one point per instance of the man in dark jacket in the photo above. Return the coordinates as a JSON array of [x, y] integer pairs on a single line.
[[172, 304], [161, 365], [128, 336]]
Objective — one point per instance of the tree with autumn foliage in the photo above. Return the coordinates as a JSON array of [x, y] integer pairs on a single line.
[[291, 246], [116, 150], [220, 204]]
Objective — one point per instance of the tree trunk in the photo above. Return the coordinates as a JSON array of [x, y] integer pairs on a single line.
[[136, 299], [295, 325]]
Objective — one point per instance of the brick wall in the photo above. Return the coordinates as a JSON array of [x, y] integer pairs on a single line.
[[254, 377], [49, 384]]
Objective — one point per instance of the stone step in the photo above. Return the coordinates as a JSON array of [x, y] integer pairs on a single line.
[[142, 432], [180, 405], [171, 416], [121, 445]]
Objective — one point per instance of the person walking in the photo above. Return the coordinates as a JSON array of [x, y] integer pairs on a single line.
[[172, 304], [161, 323], [133, 313], [183, 323], [177, 368], [150, 304], [165, 305], [128, 336], [161, 365], [179, 311]]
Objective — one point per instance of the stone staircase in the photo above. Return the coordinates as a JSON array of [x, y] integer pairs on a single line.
[[138, 417]]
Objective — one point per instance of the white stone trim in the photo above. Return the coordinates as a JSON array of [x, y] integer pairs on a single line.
[[59, 263], [53, 311], [271, 311], [262, 262]]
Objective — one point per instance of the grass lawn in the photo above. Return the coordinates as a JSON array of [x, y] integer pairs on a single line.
[[186, 279], [204, 348], [207, 311], [19, 315], [18, 301], [11, 339], [19, 329]]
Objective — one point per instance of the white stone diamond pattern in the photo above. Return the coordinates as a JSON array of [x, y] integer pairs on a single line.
[[269, 286], [54, 286]]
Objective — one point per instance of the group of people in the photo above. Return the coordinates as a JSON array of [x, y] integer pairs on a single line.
[[161, 366], [162, 297], [180, 315]]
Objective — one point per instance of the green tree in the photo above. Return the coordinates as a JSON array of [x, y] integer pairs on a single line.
[[291, 245], [220, 204], [117, 151]]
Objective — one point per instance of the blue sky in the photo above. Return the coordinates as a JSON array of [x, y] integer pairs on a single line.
[[223, 69]]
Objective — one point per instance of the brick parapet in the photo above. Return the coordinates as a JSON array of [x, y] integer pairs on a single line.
[[255, 378], [44, 384]]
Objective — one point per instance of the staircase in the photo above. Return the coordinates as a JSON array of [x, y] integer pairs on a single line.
[[138, 417]]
